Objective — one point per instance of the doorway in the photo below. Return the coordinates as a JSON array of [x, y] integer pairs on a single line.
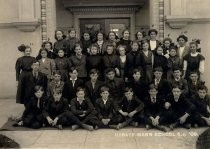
[[104, 25]]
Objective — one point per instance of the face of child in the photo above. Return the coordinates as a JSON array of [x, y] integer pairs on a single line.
[[137, 76], [100, 37], [153, 92], [105, 94], [112, 36], [153, 35], [86, 36], [35, 67], [94, 77], [47, 46], [160, 51], [145, 46], [57, 96], [172, 52], [57, 77], [122, 51], [139, 36], [74, 74], [167, 44], [129, 95], [27, 52], [80, 94], [177, 73], [176, 93], [93, 50], [135, 46], [193, 48], [126, 34], [193, 77], [158, 75], [110, 75], [78, 50], [202, 93], [44, 54], [39, 94], [181, 42], [72, 34], [59, 35], [109, 50], [61, 53]]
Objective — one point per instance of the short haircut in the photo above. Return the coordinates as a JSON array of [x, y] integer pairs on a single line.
[[72, 69], [135, 41], [152, 30], [183, 37], [38, 88], [93, 71], [58, 72], [94, 45], [177, 68], [193, 42], [176, 86], [109, 70], [57, 91], [110, 45], [103, 89], [144, 41], [202, 87], [159, 69], [80, 89], [136, 70], [152, 86], [128, 89], [193, 72], [43, 49]]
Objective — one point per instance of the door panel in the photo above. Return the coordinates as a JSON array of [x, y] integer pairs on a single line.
[[104, 25]]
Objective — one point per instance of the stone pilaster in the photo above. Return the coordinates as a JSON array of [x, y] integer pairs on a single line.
[[161, 20], [154, 14]]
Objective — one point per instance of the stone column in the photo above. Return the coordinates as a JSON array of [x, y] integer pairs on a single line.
[[161, 20], [154, 14], [51, 19]]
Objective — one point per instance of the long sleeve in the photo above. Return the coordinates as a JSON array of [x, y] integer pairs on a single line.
[[202, 66], [74, 108], [185, 65], [18, 68], [140, 105]]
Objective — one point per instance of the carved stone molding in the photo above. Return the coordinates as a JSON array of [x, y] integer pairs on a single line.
[[178, 22], [26, 25]]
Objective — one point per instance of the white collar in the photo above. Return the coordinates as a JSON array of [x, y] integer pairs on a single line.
[[194, 54], [80, 100], [73, 79]]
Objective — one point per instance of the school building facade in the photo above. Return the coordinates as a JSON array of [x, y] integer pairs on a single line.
[[33, 21]]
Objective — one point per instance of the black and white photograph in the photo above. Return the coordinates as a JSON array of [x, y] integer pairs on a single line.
[[105, 74]]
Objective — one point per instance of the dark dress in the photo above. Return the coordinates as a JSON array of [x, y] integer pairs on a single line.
[[71, 43], [193, 63], [86, 44], [126, 43], [63, 65], [111, 61], [131, 64], [146, 61], [95, 61], [173, 62], [61, 44]]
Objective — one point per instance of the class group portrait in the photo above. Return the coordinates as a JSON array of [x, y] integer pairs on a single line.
[[106, 81]]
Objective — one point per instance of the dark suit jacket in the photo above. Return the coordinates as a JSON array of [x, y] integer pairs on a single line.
[[69, 91], [56, 108], [104, 110], [182, 83], [164, 88], [182, 106], [77, 108], [93, 94], [129, 106]]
